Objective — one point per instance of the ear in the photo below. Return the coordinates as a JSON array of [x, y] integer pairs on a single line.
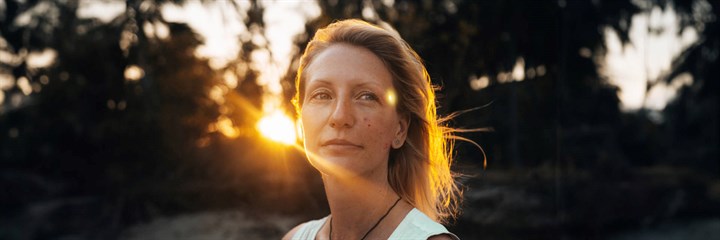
[[402, 130]]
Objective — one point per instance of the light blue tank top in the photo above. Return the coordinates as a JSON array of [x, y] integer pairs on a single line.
[[415, 225]]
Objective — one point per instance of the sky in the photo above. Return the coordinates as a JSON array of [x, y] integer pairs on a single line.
[[647, 58], [222, 26], [630, 67]]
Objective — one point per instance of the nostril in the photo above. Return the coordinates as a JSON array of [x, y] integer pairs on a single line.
[[343, 123]]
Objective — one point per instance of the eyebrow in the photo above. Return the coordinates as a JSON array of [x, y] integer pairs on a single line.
[[319, 81], [363, 84], [323, 82]]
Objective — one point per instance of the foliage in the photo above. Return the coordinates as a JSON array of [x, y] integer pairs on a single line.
[[85, 136], [133, 147]]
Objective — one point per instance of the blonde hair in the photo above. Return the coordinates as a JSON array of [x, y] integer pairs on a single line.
[[419, 171]]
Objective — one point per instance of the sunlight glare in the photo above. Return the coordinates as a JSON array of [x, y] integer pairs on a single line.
[[278, 127], [227, 128], [391, 97]]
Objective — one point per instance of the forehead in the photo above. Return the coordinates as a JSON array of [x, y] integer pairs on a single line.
[[343, 63]]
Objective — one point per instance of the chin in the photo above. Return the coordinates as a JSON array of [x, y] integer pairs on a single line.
[[336, 166]]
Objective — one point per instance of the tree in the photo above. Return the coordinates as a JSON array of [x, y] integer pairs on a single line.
[[120, 116]]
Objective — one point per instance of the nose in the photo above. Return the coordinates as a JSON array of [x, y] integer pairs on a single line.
[[342, 116]]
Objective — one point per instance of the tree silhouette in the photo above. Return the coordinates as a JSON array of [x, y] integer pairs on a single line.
[[132, 145]]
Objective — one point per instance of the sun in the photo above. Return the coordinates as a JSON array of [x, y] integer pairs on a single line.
[[278, 127]]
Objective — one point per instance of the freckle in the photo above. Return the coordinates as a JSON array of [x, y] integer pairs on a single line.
[[368, 125]]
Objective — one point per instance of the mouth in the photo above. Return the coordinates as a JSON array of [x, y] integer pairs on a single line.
[[340, 143]]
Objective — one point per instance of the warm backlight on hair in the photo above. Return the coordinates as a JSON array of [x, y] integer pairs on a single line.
[[278, 127]]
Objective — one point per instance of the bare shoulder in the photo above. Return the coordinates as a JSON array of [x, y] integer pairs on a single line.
[[291, 233], [441, 237]]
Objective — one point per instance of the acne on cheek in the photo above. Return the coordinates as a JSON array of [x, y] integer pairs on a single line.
[[366, 121]]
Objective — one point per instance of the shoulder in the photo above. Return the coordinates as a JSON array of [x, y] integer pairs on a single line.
[[417, 225], [292, 232], [306, 230]]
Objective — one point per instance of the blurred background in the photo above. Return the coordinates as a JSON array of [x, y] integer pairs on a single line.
[[170, 119]]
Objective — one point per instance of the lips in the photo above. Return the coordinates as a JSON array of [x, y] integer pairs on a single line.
[[340, 143]]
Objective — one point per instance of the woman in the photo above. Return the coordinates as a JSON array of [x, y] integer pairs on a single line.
[[369, 124]]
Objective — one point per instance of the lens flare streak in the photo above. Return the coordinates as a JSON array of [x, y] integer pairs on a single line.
[[278, 127]]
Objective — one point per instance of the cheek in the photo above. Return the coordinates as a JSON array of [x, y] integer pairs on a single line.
[[309, 124], [373, 127]]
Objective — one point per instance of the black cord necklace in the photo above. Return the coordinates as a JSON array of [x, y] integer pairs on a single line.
[[374, 226]]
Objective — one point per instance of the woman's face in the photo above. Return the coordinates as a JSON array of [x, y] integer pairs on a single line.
[[348, 113]]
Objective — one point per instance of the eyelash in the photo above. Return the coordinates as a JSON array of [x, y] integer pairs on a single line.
[[372, 96], [322, 95]]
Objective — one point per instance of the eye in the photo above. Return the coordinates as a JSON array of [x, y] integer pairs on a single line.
[[319, 96], [368, 96]]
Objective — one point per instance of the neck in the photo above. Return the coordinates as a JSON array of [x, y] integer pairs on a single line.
[[357, 203]]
